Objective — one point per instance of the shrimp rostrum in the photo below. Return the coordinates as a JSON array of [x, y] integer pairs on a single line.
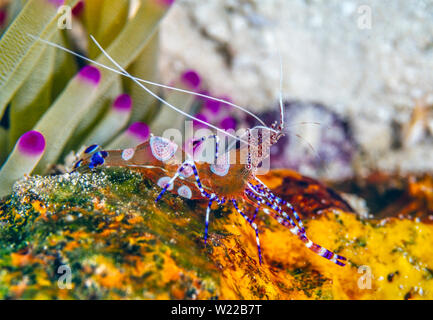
[[227, 177]]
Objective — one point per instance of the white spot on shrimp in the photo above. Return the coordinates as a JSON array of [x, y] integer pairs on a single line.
[[162, 149], [127, 154], [162, 182], [221, 168], [185, 192]]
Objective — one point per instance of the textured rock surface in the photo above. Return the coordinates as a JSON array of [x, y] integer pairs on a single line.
[[370, 76], [106, 231]]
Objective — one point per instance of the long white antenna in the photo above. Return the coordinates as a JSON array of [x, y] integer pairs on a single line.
[[147, 81]]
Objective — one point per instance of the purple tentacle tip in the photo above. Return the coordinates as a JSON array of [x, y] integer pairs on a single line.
[[90, 75], [191, 79], [78, 9], [202, 117], [31, 143], [228, 99], [140, 130], [212, 105], [228, 123], [57, 3], [123, 103]]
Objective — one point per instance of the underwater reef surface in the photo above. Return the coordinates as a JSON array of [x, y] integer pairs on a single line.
[[100, 235]]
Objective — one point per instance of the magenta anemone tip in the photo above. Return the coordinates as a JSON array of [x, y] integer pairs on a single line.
[[191, 78], [90, 74], [123, 103], [140, 130], [32, 143], [78, 8]]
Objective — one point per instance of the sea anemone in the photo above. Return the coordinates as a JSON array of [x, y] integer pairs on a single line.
[[50, 99]]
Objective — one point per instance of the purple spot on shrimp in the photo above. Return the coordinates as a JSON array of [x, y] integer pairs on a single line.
[[78, 9], [191, 79], [228, 123], [57, 3], [212, 105], [32, 143], [123, 103], [202, 117], [90, 75], [140, 130]]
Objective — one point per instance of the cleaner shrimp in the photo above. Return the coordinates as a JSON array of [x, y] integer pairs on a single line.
[[227, 179]]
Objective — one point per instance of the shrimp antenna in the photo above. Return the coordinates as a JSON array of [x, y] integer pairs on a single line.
[[147, 81]]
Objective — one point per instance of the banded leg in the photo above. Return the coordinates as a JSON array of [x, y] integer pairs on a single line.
[[206, 228], [253, 225], [321, 251], [294, 229], [212, 197], [217, 139]]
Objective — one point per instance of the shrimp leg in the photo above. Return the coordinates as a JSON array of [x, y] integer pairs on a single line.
[[253, 225]]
